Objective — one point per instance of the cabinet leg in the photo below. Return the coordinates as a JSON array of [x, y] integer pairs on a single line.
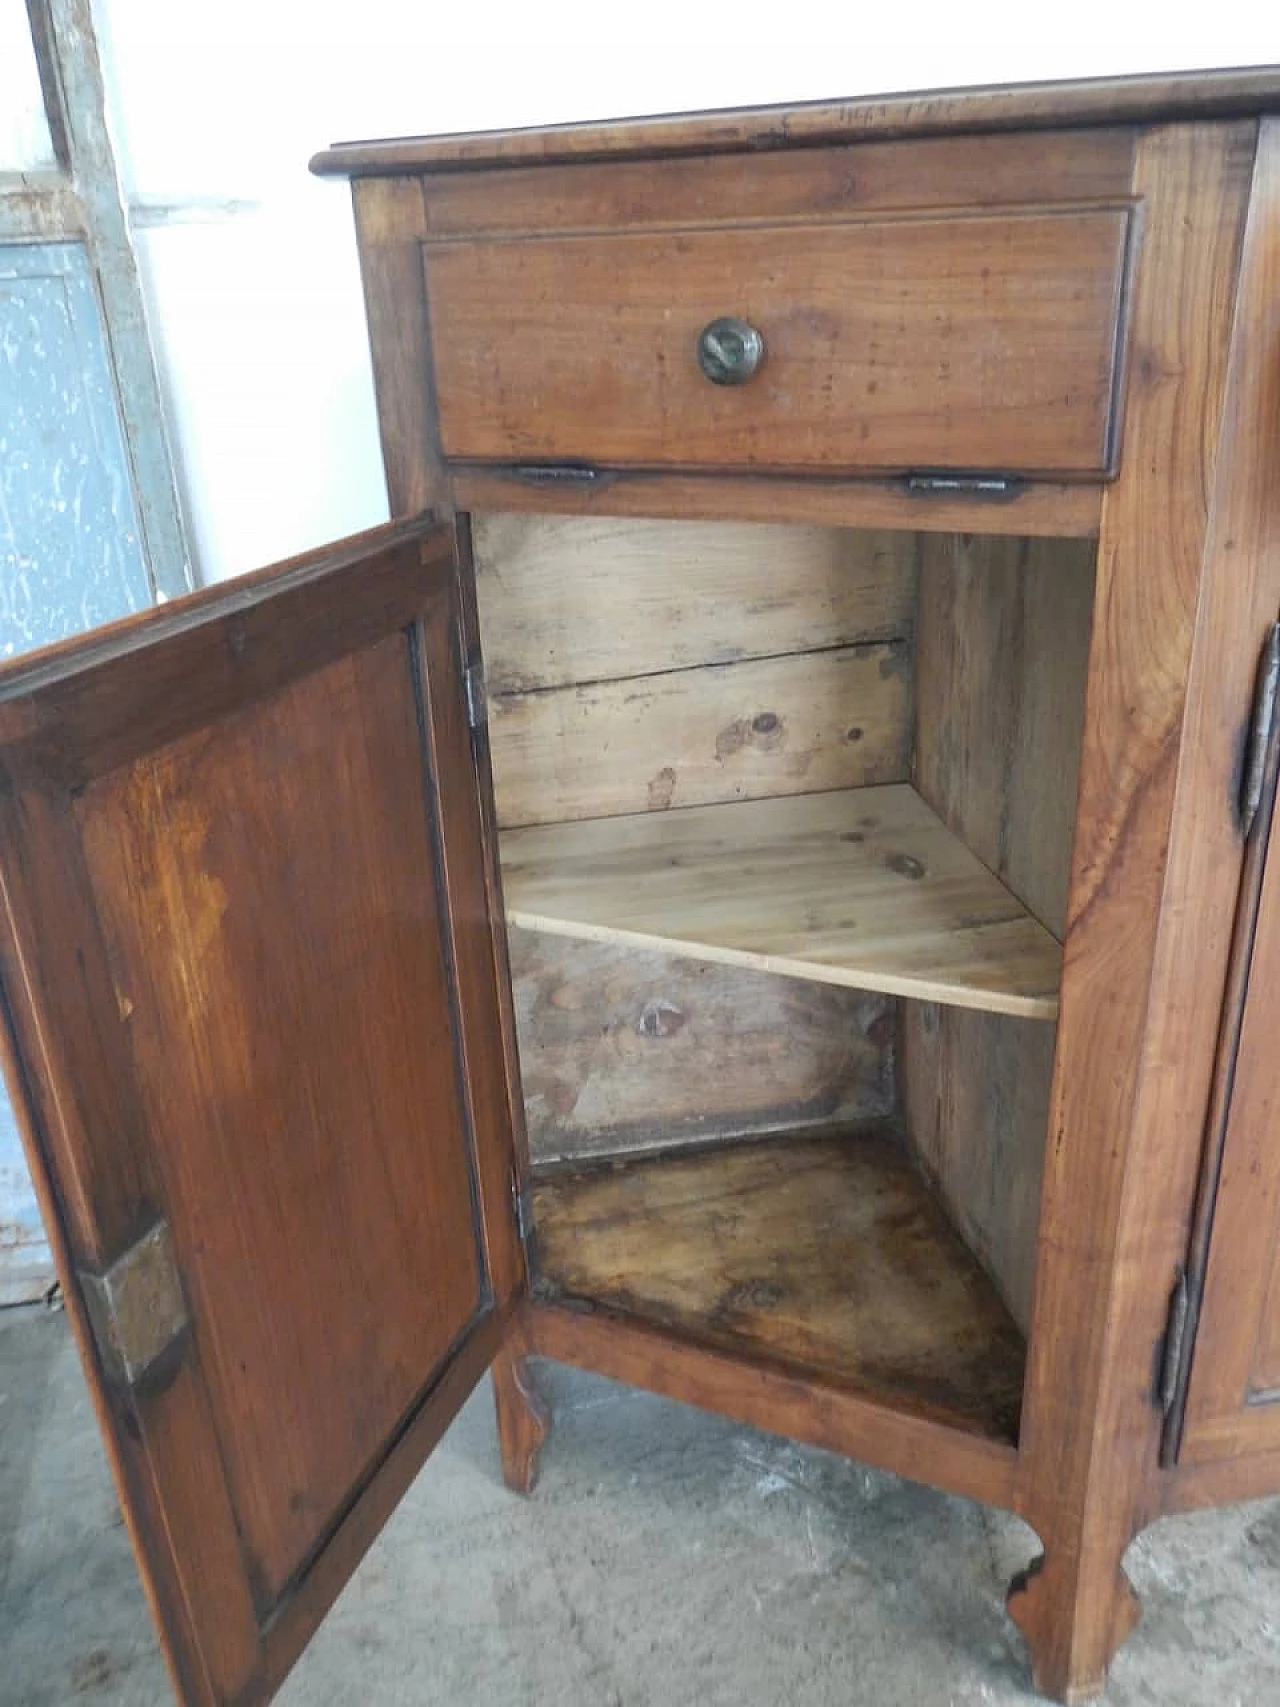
[[1075, 1613], [524, 1422]]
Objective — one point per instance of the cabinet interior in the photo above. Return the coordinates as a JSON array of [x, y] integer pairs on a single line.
[[785, 819]]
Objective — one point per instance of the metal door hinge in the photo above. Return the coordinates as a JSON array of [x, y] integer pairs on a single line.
[[136, 1308], [473, 680], [556, 473], [1175, 1339], [996, 487], [1260, 726], [523, 1204]]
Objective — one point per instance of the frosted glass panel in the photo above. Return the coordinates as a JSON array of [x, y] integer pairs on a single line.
[[24, 132]]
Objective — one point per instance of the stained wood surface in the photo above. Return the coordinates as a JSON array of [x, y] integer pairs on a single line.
[[1037, 508], [896, 1435], [232, 959], [1228, 1256], [1234, 1403], [975, 1103], [822, 1255], [389, 232], [765, 727], [1002, 654], [572, 601], [864, 888], [624, 1049], [1152, 891], [804, 184], [1025, 107], [977, 342]]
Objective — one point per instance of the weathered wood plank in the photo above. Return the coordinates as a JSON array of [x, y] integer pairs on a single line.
[[771, 726], [579, 600], [975, 1095], [1001, 664], [625, 1049], [827, 1255], [1003, 634], [866, 888]]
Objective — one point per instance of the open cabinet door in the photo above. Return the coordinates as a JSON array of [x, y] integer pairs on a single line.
[[252, 1021]]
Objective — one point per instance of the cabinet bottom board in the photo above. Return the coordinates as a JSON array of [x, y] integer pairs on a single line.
[[827, 1257]]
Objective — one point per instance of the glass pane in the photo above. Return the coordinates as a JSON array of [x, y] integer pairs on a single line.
[[24, 130]]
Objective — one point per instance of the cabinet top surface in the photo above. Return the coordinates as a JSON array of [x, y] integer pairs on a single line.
[[1028, 106]]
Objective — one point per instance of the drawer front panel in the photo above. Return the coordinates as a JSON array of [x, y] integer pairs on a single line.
[[983, 342]]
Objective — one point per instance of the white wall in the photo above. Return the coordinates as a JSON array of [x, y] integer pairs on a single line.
[[24, 134], [250, 263]]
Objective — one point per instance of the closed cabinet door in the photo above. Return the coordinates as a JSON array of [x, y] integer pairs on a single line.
[[1233, 1396], [252, 1026]]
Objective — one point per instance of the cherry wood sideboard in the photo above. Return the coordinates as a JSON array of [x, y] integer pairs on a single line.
[[761, 881]]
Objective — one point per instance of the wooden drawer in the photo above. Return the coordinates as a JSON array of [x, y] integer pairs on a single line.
[[983, 341]]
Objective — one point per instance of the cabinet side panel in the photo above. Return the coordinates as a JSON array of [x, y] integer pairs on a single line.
[[975, 1093], [1154, 875], [1002, 659], [1002, 634], [389, 225]]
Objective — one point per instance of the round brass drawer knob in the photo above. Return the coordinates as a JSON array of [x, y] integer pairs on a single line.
[[729, 351]]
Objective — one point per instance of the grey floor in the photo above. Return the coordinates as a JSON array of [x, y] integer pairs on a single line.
[[667, 1559]]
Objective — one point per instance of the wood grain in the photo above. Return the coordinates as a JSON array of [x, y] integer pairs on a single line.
[[864, 888], [271, 752], [1002, 654], [975, 1100], [892, 1436], [170, 869], [820, 1255], [1232, 1407], [524, 1422], [765, 727], [802, 184], [977, 342], [1142, 981], [389, 230], [1038, 508], [1027, 107], [1244, 570], [623, 1049], [565, 601]]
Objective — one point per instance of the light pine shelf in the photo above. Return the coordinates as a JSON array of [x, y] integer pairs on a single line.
[[865, 887]]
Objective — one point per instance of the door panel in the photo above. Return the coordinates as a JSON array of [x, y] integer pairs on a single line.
[[1233, 1397], [256, 1032]]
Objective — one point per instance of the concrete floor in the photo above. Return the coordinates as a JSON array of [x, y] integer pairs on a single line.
[[667, 1559]]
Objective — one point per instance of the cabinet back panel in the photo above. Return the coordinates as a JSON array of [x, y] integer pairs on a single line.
[[803, 724], [636, 666], [624, 1050], [566, 600]]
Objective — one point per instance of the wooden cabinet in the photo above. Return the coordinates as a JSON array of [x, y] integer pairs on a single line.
[[757, 885]]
